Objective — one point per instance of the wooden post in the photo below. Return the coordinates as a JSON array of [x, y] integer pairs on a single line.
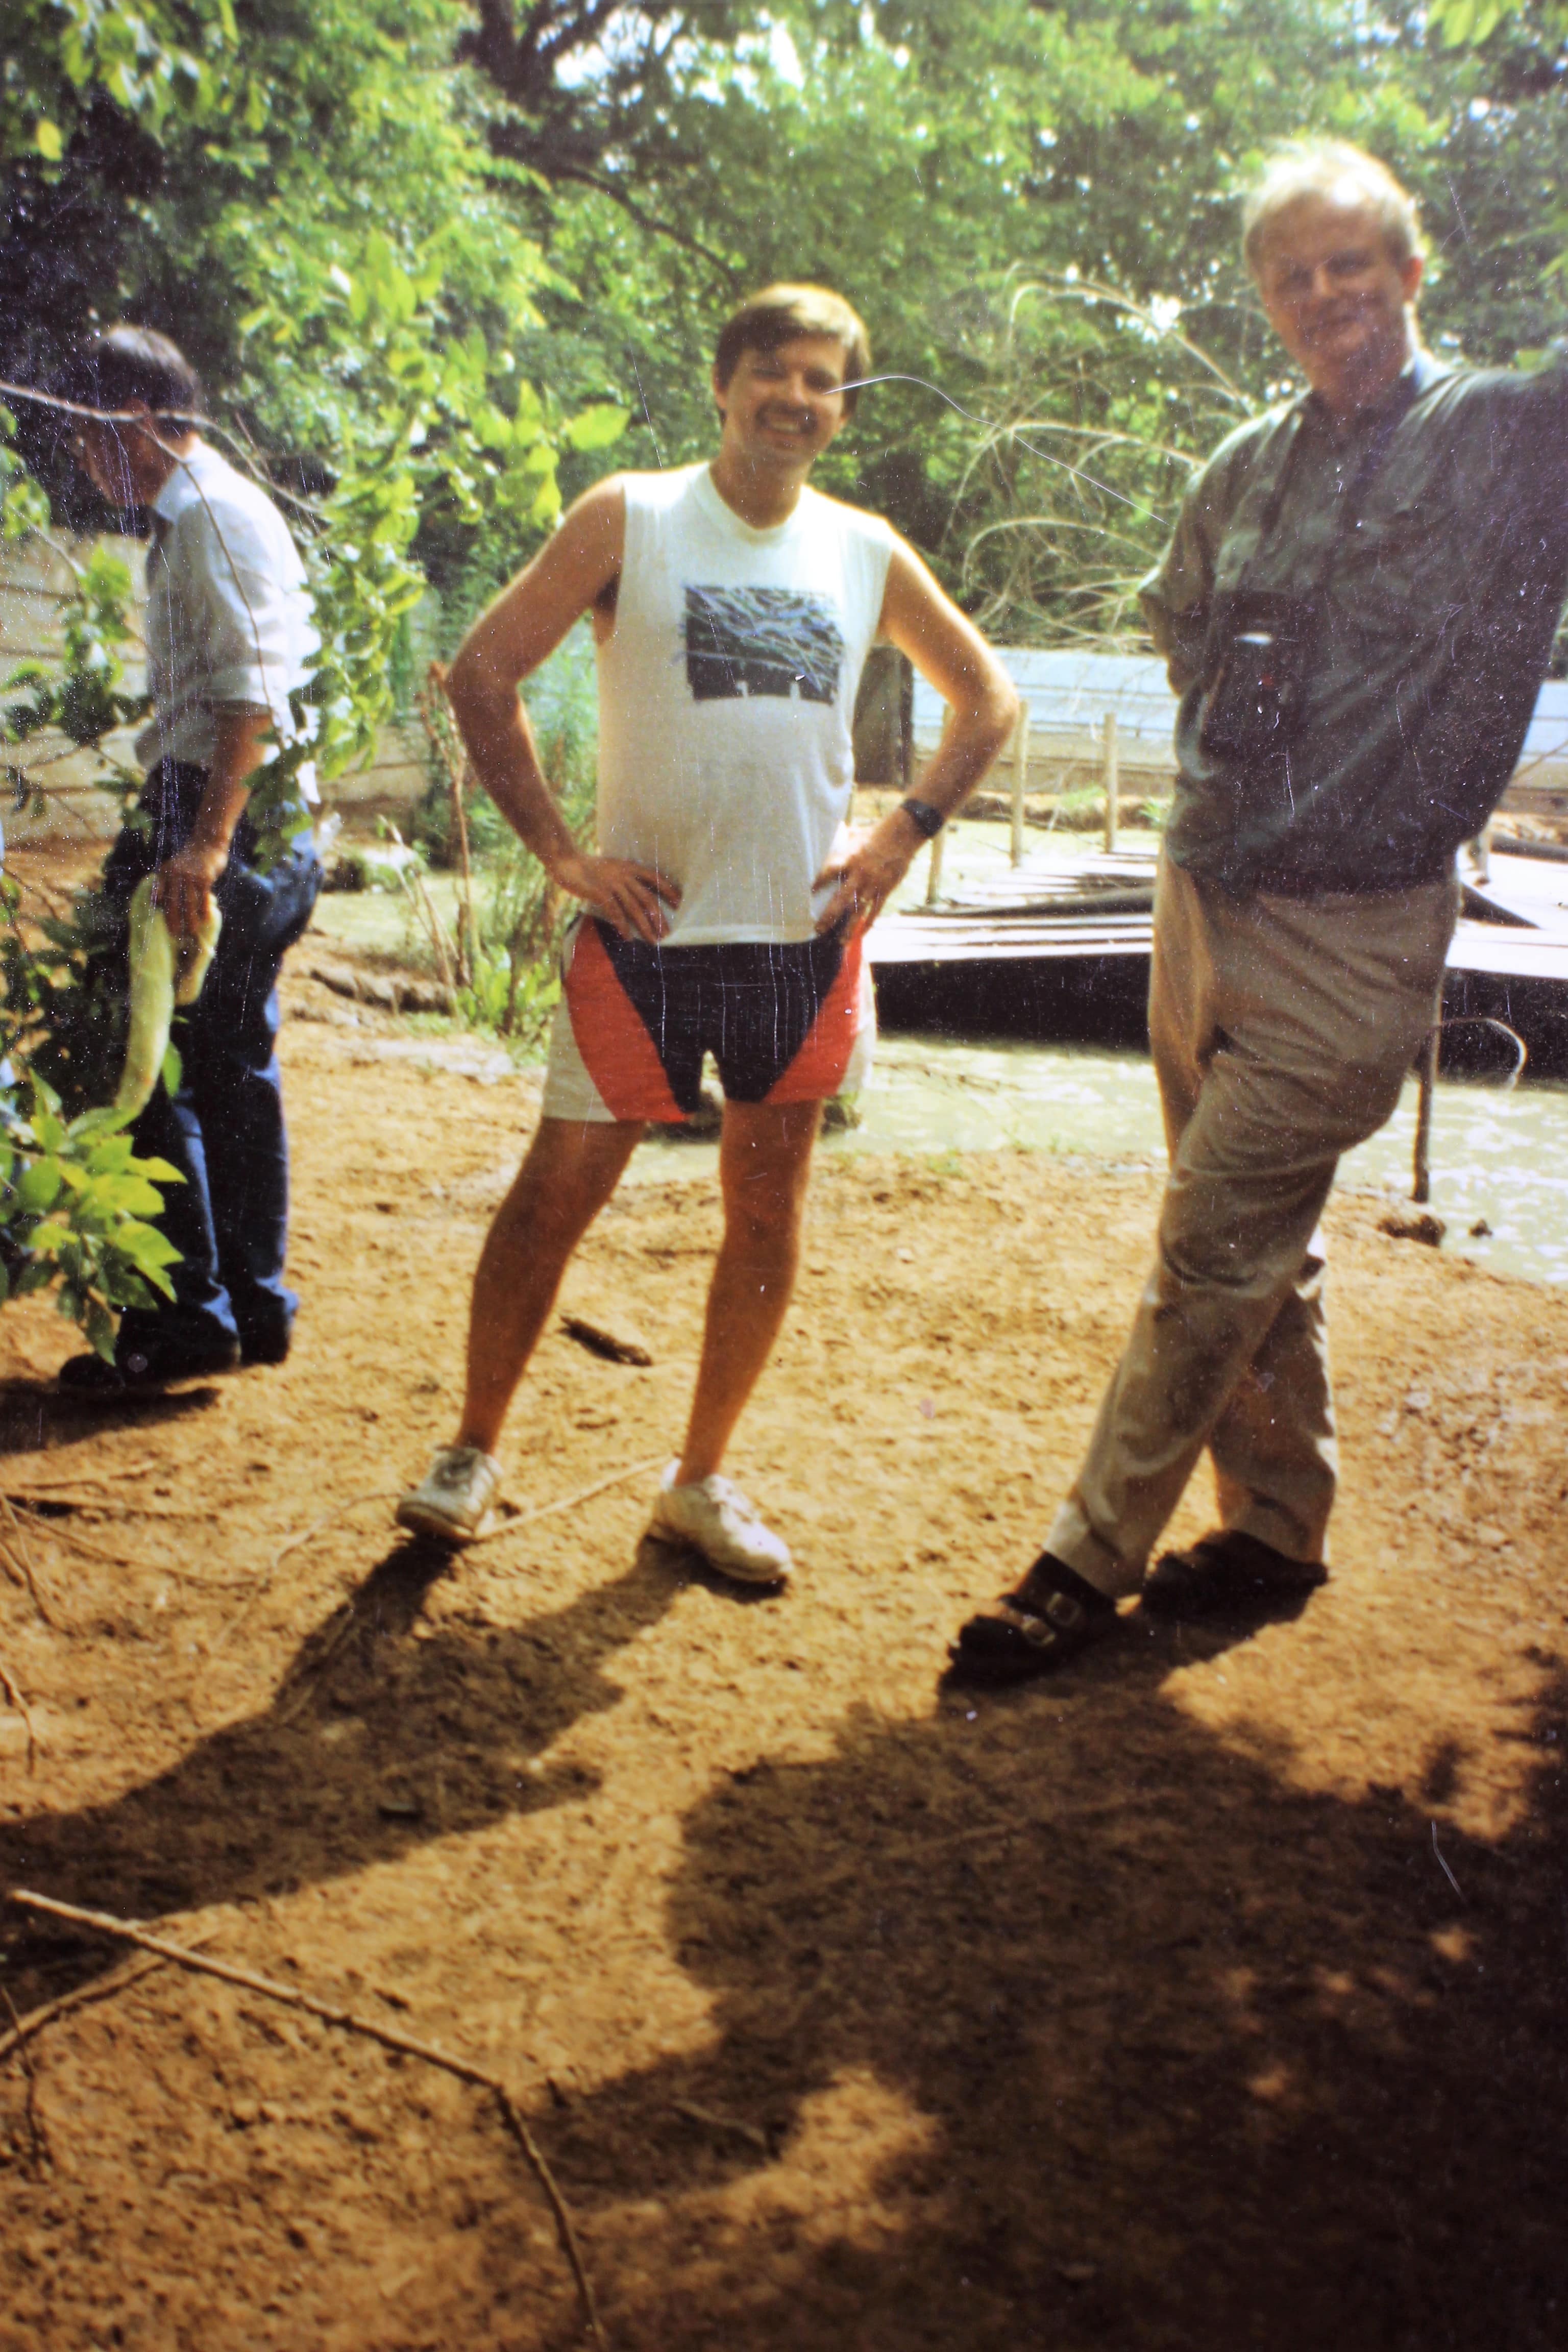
[[1421, 1188], [1112, 779], [934, 873], [1020, 781]]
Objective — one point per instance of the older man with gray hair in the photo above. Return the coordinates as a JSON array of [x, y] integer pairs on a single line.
[[1357, 607]]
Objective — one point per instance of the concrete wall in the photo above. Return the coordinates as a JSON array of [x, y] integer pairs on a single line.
[[34, 582]]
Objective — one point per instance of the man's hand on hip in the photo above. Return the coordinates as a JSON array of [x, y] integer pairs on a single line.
[[870, 870], [183, 888], [634, 899]]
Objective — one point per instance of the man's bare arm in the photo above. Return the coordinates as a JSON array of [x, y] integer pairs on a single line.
[[951, 656], [183, 883], [526, 623]]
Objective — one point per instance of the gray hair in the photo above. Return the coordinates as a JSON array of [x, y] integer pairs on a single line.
[[1333, 169]]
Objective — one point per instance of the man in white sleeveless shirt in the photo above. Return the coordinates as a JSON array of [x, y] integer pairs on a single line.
[[733, 608]]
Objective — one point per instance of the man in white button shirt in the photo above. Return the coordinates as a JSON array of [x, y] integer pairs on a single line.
[[228, 632]]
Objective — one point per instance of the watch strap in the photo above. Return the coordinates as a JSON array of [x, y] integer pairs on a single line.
[[926, 820]]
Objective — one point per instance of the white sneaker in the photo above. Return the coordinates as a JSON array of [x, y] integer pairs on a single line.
[[453, 1504], [714, 1517]]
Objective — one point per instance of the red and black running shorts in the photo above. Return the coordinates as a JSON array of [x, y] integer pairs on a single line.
[[785, 1022]]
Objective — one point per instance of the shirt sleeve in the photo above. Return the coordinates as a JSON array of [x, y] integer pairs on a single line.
[[247, 600], [1175, 597]]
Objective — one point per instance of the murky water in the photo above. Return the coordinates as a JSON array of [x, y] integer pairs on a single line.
[[1499, 1159]]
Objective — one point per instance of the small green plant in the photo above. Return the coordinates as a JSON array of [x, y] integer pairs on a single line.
[[504, 957], [66, 1011], [515, 973], [75, 1210]]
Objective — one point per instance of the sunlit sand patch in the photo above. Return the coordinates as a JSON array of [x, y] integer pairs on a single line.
[[1444, 1735], [832, 2184]]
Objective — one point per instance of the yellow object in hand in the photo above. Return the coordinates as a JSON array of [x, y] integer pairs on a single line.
[[165, 973]]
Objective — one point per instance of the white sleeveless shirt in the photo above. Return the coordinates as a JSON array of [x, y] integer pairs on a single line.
[[726, 692]]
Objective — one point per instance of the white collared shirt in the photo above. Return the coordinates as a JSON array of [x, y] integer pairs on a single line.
[[228, 611]]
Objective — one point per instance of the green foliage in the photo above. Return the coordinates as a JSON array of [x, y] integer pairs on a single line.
[[77, 1209], [83, 697], [154, 61], [322, 229], [505, 957], [65, 1013], [24, 504]]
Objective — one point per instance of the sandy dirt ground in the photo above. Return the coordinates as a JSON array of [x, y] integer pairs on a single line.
[[1209, 1996]]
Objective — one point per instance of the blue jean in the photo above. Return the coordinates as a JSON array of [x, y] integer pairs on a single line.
[[223, 1130]]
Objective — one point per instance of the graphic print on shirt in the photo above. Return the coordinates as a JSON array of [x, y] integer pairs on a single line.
[[769, 641]]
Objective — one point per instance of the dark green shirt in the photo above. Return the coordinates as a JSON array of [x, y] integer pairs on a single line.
[[1435, 615]]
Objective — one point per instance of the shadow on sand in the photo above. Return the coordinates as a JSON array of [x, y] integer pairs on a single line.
[[1054, 2019], [1187, 2058]]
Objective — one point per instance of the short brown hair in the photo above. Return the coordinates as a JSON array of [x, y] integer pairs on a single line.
[[126, 364], [780, 314], [1326, 167]]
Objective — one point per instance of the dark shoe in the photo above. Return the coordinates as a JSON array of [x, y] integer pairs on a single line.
[[144, 1365], [265, 1347], [1042, 1623], [1229, 1571]]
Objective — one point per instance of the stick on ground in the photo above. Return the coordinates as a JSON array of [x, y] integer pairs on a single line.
[[34, 2128], [506, 1527], [20, 1560], [125, 1931], [102, 1988], [569, 1502], [295, 1542], [15, 1699]]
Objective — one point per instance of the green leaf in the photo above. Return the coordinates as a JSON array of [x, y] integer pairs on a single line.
[[596, 427], [48, 140], [38, 1187], [173, 1069], [146, 1246], [98, 1324]]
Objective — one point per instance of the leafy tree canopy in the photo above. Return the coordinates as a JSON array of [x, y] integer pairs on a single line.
[[542, 210]]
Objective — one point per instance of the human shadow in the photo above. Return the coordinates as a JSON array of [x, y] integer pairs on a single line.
[[35, 1417], [1067, 2022], [387, 1729]]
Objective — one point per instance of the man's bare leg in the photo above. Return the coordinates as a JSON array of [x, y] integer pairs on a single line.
[[764, 1165], [570, 1171]]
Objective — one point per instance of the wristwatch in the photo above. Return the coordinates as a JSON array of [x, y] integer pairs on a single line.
[[926, 819]]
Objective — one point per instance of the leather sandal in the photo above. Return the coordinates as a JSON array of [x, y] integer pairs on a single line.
[[1042, 1623], [1229, 1570]]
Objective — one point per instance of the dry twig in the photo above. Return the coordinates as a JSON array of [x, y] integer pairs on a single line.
[[615, 1346], [67, 1535], [74, 1498], [509, 1526], [34, 2128], [569, 1502], [15, 1700], [102, 1988], [295, 1542], [20, 1559], [729, 2124], [348, 2021]]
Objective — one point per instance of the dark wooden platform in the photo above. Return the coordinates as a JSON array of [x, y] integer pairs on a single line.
[[1059, 947]]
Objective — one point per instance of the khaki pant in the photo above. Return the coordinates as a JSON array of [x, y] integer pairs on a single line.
[[1281, 1029]]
